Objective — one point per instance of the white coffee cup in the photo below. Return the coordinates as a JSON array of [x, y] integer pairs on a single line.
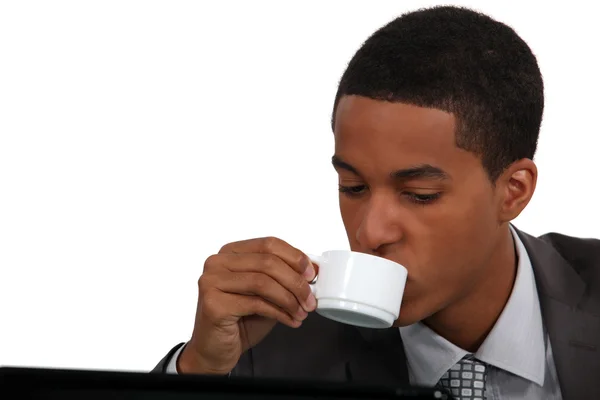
[[358, 289]]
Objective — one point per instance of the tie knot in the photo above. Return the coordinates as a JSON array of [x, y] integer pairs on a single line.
[[466, 379]]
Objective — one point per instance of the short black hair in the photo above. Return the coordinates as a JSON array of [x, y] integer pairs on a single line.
[[460, 61]]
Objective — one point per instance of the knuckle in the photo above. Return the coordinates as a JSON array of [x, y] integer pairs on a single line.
[[269, 244], [230, 247], [268, 261], [300, 259], [203, 283], [225, 248], [211, 262], [210, 307]]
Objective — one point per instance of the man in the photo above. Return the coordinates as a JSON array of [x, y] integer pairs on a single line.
[[436, 122]]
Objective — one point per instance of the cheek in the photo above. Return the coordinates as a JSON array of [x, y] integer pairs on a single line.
[[349, 211], [453, 245]]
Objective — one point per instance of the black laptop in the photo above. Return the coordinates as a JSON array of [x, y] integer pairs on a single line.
[[31, 383]]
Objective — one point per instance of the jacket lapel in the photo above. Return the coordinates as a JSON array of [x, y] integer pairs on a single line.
[[572, 327]]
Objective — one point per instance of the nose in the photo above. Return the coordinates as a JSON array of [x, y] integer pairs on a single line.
[[379, 224]]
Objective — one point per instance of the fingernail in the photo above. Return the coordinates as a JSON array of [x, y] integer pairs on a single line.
[[311, 302], [309, 272]]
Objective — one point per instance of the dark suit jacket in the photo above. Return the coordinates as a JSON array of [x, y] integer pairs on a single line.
[[567, 272]]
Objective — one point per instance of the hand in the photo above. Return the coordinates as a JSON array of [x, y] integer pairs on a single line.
[[244, 291]]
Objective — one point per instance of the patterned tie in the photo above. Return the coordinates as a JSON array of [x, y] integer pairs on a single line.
[[466, 379]]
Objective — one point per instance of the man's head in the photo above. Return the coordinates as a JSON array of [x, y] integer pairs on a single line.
[[436, 122]]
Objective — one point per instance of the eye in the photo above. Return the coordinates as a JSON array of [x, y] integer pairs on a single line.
[[422, 199], [352, 191]]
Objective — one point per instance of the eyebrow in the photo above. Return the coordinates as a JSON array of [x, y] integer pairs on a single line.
[[421, 171], [339, 164]]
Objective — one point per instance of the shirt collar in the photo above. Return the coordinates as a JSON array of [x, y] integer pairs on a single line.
[[515, 344]]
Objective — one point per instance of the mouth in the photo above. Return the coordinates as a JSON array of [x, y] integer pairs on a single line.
[[391, 257]]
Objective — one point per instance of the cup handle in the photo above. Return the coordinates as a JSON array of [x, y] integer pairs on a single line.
[[317, 260]]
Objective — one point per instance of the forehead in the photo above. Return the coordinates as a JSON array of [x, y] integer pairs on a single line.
[[371, 131]]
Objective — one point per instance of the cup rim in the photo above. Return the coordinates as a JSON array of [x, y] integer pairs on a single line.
[[360, 254]]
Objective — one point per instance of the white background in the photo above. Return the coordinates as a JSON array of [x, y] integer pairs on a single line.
[[137, 137]]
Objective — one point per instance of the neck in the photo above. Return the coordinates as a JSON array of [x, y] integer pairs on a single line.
[[467, 322]]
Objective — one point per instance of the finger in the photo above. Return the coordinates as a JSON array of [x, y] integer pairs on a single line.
[[296, 259], [257, 284], [268, 264], [221, 307]]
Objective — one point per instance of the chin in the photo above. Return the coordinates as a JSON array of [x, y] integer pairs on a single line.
[[409, 314], [401, 322]]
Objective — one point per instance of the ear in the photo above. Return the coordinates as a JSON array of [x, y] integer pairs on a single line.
[[516, 186]]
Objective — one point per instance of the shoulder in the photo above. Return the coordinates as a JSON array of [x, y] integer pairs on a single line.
[[566, 268], [583, 254]]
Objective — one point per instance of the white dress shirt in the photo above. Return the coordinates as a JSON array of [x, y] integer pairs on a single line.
[[517, 349], [172, 366]]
